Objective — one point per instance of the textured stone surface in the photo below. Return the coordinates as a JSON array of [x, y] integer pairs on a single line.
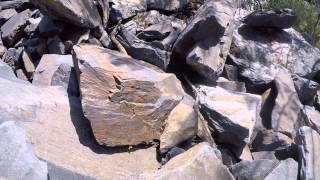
[[309, 154], [168, 5], [12, 57], [311, 118], [18, 160], [65, 76], [80, 13], [124, 9], [286, 111], [231, 114], [13, 29], [306, 89], [206, 40], [269, 140], [280, 18], [199, 162], [6, 14], [126, 102]]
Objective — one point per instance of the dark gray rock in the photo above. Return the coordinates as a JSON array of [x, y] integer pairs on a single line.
[[153, 53], [167, 5], [286, 169], [15, 4], [65, 76], [157, 31], [55, 46], [27, 64], [280, 18], [18, 160], [206, 40], [81, 13], [32, 26], [269, 140], [306, 89], [311, 118], [13, 29], [230, 72], [264, 155], [124, 9], [48, 28], [12, 57], [309, 154], [6, 14]]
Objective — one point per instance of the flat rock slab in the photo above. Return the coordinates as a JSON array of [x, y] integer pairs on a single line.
[[280, 18], [308, 141], [126, 102], [199, 162], [81, 13], [231, 114], [13, 29]]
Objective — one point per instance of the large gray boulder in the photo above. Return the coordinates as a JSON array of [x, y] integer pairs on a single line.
[[206, 40], [6, 14], [167, 5], [199, 162], [231, 114], [81, 13], [18, 160], [311, 118], [280, 18], [306, 89], [308, 141], [126, 102], [124, 9], [13, 29]]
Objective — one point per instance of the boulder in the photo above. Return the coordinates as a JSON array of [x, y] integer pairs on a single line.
[[231, 114], [6, 71], [65, 76], [124, 9], [306, 89], [311, 118], [269, 140], [81, 13], [265, 169], [28, 65], [48, 65], [12, 57], [3, 49], [62, 136], [157, 31], [308, 141], [280, 18], [15, 4], [13, 29], [181, 125], [21, 75], [286, 111], [206, 40], [48, 28], [126, 101], [18, 160], [6, 14], [263, 51], [167, 5], [199, 162], [55, 46], [153, 53], [231, 85]]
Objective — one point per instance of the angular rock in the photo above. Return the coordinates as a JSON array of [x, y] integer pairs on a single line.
[[231, 85], [181, 125], [15, 4], [206, 41], [48, 28], [265, 169], [269, 140], [55, 46], [306, 89], [33, 24], [65, 76], [230, 72], [62, 137], [48, 65], [12, 57], [3, 49], [6, 71], [126, 102], [309, 154], [6, 14], [311, 118], [28, 64], [231, 114], [81, 13], [153, 53], [18, 160], [199, 162], [13, 29], [21, 75], [157, 31], [167, 5], [286, 111], [124, 9], [280, 18], [264, 155]]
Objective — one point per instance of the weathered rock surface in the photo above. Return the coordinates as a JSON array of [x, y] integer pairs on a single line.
[[181, 125], [18, 160], [265, 169], [6, 14], [286, 111], [199, 162], [65, 76], [126, 102], [206, 41], [3, 49], [306, 89], [124, 9], [167, 5], [12, 57], [231, 114], [309, 154], [6, 71], [231, 85], [81, 13], [311, 118], [55, 46], [269, 140], [280, 18], [13, 29], [28, 64]]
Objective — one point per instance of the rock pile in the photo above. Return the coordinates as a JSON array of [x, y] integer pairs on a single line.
[[156, 89]]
